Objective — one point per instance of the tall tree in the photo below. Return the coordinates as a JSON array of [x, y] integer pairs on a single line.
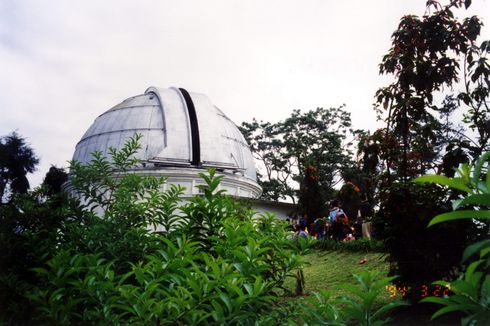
[[267, 146], [438, 68], [284, 149], [54, 179], [311, 195], [16, 160], [428, 57]]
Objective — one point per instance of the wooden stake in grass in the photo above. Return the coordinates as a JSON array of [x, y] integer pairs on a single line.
[[300, 282]]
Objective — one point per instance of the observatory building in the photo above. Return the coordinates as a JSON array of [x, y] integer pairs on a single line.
[[183, 133]]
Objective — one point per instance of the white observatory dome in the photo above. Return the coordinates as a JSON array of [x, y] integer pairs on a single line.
[[183, 134]]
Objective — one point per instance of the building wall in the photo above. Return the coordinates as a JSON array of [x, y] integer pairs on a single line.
[[280, 210]]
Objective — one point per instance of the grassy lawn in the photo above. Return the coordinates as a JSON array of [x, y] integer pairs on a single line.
[[327, 270]]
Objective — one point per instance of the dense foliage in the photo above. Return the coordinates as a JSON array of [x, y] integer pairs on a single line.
[[471, 291], [358, 307], [16, 160], [54, 180], [418, 254], [284, 149], [131, 253], [31, 230], [430, 55], [107, 264], [128, 254], [438, 69], [358, 245], [307, 149]]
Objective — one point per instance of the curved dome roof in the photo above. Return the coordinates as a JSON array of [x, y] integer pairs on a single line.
[[179, 129]]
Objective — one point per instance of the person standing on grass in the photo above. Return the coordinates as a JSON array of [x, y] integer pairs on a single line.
[[338, 220], [366, 212], [302, 231], [320, 228], [334, 210], [303, 221]]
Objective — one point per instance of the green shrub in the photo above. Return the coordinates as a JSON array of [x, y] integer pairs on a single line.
[[417, 254], [212, 264], [359, 245], [106, 264], [471, 291], [32, 227], [320, 309], [178, 284], [359, 307]]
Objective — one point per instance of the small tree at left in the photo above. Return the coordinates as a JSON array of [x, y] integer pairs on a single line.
[[16, 160]]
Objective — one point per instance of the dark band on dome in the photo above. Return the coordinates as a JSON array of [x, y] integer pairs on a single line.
[[196, 147]]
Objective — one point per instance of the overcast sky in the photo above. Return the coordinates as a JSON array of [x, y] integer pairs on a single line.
[[63, 63]]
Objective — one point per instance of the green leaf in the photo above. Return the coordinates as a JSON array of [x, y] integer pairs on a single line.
[[226, 301], [474, 248], [354, 312], [459, 215], [478, 167], [476, 199], [249, 289], [485, 289], [464, 171], [484, 252], [456, 203], [40, 270], [465, 290], [451, 308], [481, 187], [443, 301], [471, 270], [456, 183], [488, 179], [388, 307]]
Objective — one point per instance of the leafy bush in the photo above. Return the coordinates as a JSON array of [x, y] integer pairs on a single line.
[[471, 291], [210, 263], [359, 245], [359, 307], [112, 262], [32, 227], [178, 285], [417, 254]]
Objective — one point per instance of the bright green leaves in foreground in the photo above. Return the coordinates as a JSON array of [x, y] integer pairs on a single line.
[[211, 263], [471, 295], [468, 180], [471, 292], [136, 255], [359, 307], [456, 183]]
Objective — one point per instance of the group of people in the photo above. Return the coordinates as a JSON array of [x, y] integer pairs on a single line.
[[335, 225]]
